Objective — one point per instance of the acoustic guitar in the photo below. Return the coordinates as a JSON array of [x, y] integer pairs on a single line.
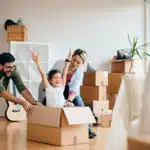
[[15, 112]]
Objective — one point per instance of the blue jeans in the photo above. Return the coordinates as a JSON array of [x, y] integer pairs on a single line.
[[77, 101]]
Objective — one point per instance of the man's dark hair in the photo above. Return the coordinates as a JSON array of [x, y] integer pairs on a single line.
[[52, 73], [6, 58]]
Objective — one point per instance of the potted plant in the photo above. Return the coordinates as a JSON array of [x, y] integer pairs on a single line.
[[133, 51]]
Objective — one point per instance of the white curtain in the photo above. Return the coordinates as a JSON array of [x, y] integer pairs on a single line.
[[145, 112], [126, 112]]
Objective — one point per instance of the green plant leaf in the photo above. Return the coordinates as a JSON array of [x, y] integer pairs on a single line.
[[146, 44], [141, 48], [129, 40], [145, 56], [133, 48], [138, 54], [136, 42], [145, 53]]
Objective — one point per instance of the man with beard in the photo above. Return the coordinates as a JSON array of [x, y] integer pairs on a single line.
[[8, 70]]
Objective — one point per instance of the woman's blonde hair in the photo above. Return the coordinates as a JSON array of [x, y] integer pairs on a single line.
[[82, 54]]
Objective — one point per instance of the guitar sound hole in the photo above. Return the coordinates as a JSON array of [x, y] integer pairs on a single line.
[[15, 110]]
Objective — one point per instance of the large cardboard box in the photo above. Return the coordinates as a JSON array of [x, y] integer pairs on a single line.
[[114, 82], [139, 143], [17, 33], [90, 93], [112, 100], [120, 66], [95, 78], [59, 126]]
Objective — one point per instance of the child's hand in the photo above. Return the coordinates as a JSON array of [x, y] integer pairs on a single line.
[[70, 54], [68, 104], [34, 56]]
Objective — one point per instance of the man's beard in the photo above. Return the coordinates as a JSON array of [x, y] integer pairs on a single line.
[[8, 73]]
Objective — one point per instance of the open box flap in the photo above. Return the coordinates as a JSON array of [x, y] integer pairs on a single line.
[[79, 115], [42, 115]]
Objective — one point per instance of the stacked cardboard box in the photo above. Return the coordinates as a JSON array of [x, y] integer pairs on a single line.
[[112, 99], [114, 82], [118, 69], [17, 33], [94, 93], [120, 66], [94, 86]]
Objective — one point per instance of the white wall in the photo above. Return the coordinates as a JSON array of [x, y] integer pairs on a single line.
[[99, 26]]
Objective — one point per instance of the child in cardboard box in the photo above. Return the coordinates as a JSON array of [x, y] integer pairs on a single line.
[[72, 77], [55, 84]]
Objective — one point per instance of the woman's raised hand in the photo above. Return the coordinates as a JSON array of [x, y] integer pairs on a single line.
[[70, 54]]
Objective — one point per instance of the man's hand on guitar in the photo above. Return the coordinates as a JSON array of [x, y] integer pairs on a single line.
[[27, 106], [37, 103]]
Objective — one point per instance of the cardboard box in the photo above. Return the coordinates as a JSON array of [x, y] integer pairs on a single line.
[[112, 97], [59, 126], [114, 82], [112, 100], [111, 105], [89, 104], [139, 143], [90, 93], [17, 33], [16, 29], [106, 119], [100, 106], [97, 106], [16, 37], [95, 78], [120, 66]]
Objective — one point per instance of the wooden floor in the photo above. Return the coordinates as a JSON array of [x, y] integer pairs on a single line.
[[13, 137]]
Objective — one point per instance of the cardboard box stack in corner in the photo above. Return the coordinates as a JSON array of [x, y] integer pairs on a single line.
[[94, 93], [118, 69], [59, 126]]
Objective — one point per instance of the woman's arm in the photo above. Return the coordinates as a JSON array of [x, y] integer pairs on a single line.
[[66, 67], [71, 96], [75, 83], [35, 58]]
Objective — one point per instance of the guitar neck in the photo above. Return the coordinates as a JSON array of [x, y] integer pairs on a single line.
[[14, 89]]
